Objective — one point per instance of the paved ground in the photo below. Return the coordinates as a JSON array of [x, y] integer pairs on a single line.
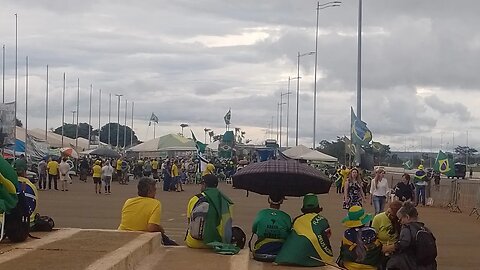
[[82, 208]]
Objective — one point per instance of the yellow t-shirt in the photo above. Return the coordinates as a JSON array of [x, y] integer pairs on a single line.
[[382, 224], [52, 167], [174, 170], [119, 165], [138, 212], [344, 174], [154, 165], [189, 240], [97, 171]]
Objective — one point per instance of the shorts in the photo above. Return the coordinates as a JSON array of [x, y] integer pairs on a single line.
[[97, 180]]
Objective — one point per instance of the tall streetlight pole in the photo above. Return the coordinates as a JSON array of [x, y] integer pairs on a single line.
[[125, 127], [118, 117], [3, 74], [298, 90], [288, 105], [63, 106], [99, 114], [319, 7], [16, 79], [278, 113], [359, 62], [46, 111], [281, 113], [131, 129], [109, 114], [26, 104], [78, 112], [90, 116]]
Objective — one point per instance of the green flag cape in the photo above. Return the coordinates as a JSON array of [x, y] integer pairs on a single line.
[[8, 186], [307, 239], [218, 224], [444, 165]]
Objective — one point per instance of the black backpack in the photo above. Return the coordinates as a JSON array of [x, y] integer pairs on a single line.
[[17, 222], [425, 245], [43, 223]]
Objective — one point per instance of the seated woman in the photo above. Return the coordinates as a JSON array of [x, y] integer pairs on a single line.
[[360, 247], [416, 247], [272, 226], [388, 227], [309, 238]]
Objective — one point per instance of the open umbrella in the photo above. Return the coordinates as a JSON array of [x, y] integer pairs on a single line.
[[105, 152], [285, 177], [68, 151]]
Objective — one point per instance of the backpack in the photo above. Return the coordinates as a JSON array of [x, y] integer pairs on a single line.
[[17, 222], [425, 246], [198, 217], [43, 224]]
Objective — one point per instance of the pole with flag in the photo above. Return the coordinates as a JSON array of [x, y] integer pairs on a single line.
[[90, 116], [78, 112], [46, 110], [227, 118], [444, 164], [63, 106], [154, 119], [99, 114], [360, 135], [16, 79]]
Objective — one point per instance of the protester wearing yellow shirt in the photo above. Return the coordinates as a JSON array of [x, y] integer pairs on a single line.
[[142, 213], [97, 176], [154, 164], [52, 168], [344, 172], [387, 224]]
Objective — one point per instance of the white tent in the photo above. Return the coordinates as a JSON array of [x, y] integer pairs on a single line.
[[53, 139], [169, 145], [305, 153]]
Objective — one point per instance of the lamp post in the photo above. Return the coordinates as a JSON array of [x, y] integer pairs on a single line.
[[281, 112], [206, 131], [119, 96], [183, 126], [125, 127], [288, 105], [319, 7], [298, 90], [359, 62]]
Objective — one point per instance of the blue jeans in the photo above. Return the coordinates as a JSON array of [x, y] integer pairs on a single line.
[[379, 203], [420, 194]]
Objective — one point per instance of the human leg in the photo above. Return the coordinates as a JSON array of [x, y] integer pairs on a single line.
[[376, 204]]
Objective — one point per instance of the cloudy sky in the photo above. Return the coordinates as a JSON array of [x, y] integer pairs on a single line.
[[190, 61]]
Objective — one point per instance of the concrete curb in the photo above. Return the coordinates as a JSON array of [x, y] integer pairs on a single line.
[[129, 255]]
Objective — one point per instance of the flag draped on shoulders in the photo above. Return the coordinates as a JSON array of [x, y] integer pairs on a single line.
[[218, 224], [361, 135], [153, 118], [227, 117], [444, 164]]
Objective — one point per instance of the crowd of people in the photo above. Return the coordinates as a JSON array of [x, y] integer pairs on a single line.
[[390, 239]]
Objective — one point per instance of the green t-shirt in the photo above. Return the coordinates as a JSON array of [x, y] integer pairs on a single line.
[[386, 233], [272, 224]]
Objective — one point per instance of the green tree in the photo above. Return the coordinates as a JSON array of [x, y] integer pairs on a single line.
[[463, 151], [70, 130], [113, 134]]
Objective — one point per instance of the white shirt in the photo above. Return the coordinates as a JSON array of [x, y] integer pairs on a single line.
[[64, 168], [107, 170], [381, 189]]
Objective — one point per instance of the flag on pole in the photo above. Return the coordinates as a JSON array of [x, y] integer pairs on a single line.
[[361, 135], [408, 165], [444, 164], [227, 117], [153, 118], [198, 144]]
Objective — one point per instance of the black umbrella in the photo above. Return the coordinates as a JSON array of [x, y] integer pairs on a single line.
[[105, 152], [285, 177]]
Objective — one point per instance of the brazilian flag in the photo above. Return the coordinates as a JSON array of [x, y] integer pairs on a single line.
[[8, 187], [444, 165], [218, 225], [308, 239]]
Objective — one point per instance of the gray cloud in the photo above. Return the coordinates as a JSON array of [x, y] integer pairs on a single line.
[[459, 110]]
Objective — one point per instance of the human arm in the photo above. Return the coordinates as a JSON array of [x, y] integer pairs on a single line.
[[151, 227]]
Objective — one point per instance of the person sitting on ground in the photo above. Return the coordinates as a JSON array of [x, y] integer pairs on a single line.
[[142, 213], [415, 247], [360, 247], [308, 238], [388, 227], [272, 227], [209, 215]]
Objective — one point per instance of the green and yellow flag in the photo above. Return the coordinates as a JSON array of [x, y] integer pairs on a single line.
[[8, 187], [444, 164]]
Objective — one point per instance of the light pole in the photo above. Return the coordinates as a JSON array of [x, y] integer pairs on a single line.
[[359, 62], [288, 105], [206, 131], [78, 112], [281, 112], [319, 7], [46, 111], [298, 90], [183, 126], [125, 127], [109, 119], [118, 118], [73, 117]]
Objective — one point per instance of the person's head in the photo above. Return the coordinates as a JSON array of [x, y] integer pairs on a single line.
[[420, 167], [275, 200], [391, 213], [406, 178], [146, 187], [407, 213], [344, 167], [209, 181], [354, 175], [64, 159], [310, 204], [22, 156], [98, 162]]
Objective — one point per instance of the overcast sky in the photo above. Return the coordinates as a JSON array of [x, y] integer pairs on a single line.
[[190, 61]]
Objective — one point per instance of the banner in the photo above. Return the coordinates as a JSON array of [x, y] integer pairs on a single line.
[[361, 135], [444, 164], [227, 117], [36, 149], [7, 124]]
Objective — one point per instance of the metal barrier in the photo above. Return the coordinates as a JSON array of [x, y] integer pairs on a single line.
[[452, 194]]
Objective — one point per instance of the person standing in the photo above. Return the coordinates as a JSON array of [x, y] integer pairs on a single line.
[[344, 172], [84, 169], [97, 176], [63, 169], [405, 191], [42, 175], [107, 173], [118, 168], [420, 181], [52, 168], [378, 190], [175, 176], [155, 168], [167, 175], [147, 168], [353, 193]]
